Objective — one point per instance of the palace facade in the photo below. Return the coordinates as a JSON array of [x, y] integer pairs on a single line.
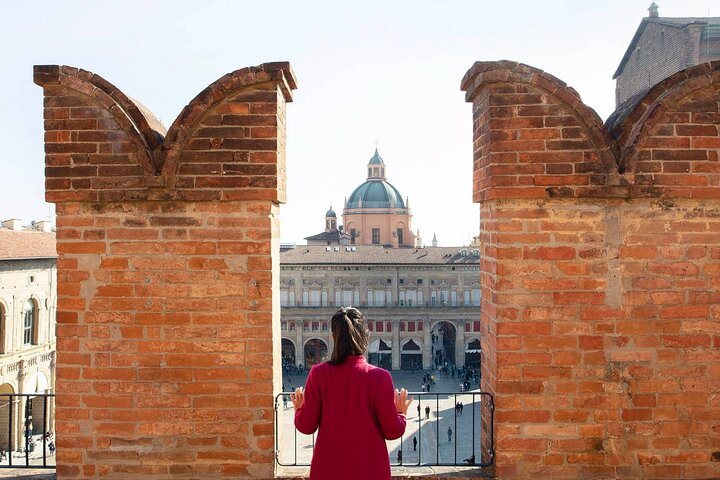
[[28, 293]]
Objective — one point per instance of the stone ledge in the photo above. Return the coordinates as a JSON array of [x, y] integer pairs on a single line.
[[401, 473]]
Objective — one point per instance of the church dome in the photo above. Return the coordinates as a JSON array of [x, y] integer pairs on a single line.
[[330, 213], [375, 194]]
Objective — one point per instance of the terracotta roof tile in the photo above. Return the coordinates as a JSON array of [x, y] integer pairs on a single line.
[[26, 244], [376, 254]]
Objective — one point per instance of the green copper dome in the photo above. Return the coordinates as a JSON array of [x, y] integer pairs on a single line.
[[375, 194]]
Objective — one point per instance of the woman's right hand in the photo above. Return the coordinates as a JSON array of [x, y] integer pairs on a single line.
[[401, 401], [298, 398]]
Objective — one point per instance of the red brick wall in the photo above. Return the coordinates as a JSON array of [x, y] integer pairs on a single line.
[[167, 264], [601, 301]]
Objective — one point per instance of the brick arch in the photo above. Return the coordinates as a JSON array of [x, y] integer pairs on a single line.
[[562, 143], [125, 111], [638, 131], [218, 94]]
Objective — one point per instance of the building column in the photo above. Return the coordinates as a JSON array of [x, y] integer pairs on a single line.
[[460, 344], [51, 400], [299, 350], [396, 347], [427, 346], [20, 409]]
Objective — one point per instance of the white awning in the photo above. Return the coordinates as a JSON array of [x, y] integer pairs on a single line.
[[473, 350], [38, 383]]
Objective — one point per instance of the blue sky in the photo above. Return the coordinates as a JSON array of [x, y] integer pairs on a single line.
[[367, 71]]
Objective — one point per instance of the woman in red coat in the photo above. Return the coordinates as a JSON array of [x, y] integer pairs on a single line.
[[354, 406]]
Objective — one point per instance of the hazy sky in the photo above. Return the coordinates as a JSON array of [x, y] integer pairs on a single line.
[[385, 71]]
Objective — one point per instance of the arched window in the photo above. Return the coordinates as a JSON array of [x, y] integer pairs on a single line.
[[30, 323]]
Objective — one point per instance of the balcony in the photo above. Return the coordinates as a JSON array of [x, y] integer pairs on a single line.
[[440, 436]]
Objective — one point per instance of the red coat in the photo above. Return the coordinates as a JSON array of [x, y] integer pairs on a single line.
[[353, 406]]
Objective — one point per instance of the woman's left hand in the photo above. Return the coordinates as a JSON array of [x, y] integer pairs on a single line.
[[298, 398], [401, 401]]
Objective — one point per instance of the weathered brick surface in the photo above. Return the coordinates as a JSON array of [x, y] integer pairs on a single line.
[[167, 264], [601, 300]]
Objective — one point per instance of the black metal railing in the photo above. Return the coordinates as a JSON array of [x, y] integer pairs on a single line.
[[443, 429], [26, 430]]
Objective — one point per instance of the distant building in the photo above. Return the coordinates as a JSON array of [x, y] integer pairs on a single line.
[[663, 46], [422, 304], [28, 293]]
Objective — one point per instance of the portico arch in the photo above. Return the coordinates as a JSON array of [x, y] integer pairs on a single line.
[[380, 353], [288, 352], [443, 336], [411, 354], [472, 353], [315, 351], [5, 389]]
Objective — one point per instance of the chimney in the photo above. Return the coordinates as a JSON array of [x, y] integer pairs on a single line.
[[13, 224], [653, 10]]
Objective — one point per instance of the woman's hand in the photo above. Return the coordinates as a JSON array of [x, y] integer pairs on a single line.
[[298, 398], [401, 401]]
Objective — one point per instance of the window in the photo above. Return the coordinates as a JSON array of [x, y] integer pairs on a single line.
[[476, 326], [400, 236], [388, 326], [420, 326], [379, 298], [376, 236], [402, 326], [29, 327], [466, 297], [315, 326], [401, 281], [419, 281], [379, 326], [453, 298], [283, 325], [411, 326], [370, 326], [305, 326], [292, 326], [324, 327], [315, 298], [476, 297], [353, 234]]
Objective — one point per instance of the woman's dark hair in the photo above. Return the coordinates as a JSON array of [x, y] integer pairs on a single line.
[[350, 334]]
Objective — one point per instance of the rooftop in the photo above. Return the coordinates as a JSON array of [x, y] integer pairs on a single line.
[[24, 244], [379, 255]]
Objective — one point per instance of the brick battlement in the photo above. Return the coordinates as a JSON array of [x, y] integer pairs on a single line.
[[168, 340], [600, 257]]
